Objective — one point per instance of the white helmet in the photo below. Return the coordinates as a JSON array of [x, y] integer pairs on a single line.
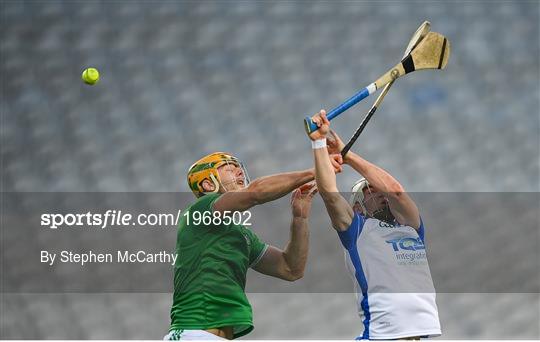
[[357, 192], [357, 195]]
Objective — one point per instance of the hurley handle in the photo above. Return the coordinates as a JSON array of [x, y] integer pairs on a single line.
[[311, 127]]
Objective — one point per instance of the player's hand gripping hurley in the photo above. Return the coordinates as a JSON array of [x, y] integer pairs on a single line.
[[432, 52]]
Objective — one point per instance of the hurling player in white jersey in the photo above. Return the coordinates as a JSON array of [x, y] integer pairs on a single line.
[[382, 234]]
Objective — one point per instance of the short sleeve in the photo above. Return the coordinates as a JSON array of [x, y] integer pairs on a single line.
[[257, 247], [348, 237]]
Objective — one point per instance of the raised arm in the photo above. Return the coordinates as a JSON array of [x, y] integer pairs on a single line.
[[339, 210], [290, 263], [401, 205], [262, 190]]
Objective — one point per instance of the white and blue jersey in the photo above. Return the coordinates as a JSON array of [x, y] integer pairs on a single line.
[[392, 281]]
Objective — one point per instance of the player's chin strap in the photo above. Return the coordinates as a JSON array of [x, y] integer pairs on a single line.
[[217, 185], [216, 182]]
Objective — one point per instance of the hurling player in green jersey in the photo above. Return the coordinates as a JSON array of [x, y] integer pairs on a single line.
[[215, 253]]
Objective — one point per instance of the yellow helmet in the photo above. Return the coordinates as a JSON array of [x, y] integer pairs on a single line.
[[206, 168]]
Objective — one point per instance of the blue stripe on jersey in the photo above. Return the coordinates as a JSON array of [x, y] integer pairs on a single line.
[[421, 231], [362, 281], [348, 237], [348, 240]]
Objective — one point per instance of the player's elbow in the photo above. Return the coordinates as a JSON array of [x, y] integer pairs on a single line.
[[293, 275], [396, 191], [296, 276], [292, 272]]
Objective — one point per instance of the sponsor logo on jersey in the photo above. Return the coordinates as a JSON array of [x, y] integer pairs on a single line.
[[383, 224], [409, 250], [407, 244]]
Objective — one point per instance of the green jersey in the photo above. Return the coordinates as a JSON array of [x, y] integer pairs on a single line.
[[210, 272]]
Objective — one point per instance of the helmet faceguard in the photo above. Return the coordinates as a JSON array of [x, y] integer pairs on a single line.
[[206, 168], [357, 195]]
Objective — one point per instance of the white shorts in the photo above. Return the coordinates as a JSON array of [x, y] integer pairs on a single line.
[[190, 335]]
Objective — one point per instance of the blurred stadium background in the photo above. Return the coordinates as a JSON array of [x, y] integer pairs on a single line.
[[182, 79]]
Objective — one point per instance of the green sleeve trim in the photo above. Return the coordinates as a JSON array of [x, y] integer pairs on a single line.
[[259, 257]]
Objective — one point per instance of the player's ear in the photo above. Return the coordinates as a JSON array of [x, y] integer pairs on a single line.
[[208, 186]]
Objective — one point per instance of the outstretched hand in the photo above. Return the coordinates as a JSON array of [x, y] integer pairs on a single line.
[[301, 199]]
